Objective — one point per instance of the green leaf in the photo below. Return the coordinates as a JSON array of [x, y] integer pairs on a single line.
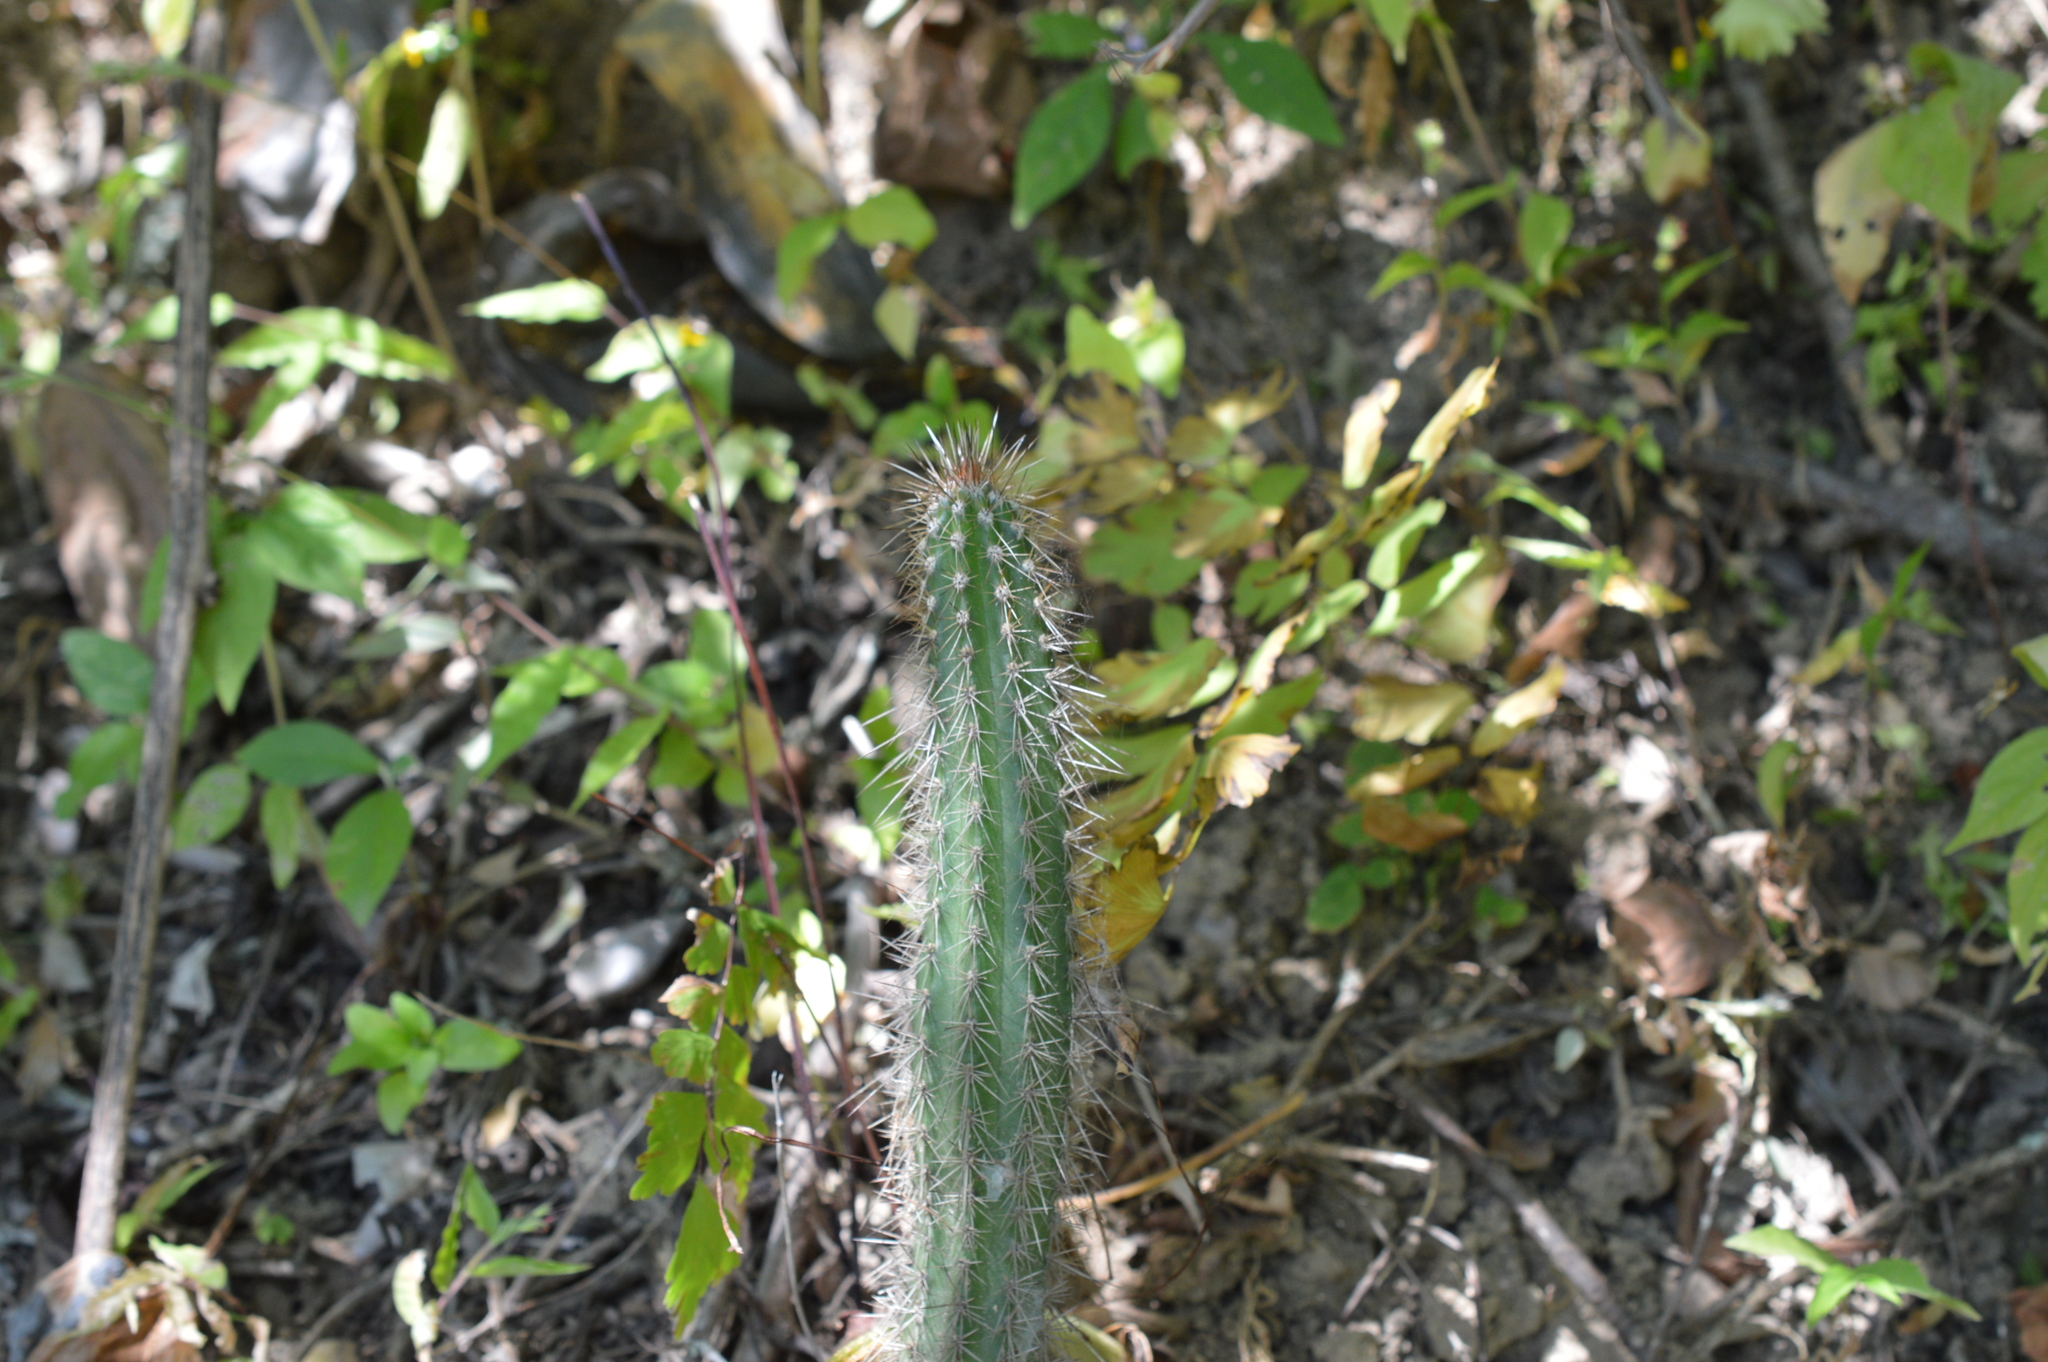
[[1544, 226], [896, 317], [1153, 685], [115, 677], [306, 752], [1683, 279], [1092, 348], [1397, 545], [366, 849], [1272, 81], [309, 538], [1769, 1241], [1266, 588], [1331, 606], [1906, 1276], [615, 754], [1466, 275], [561, 300], [1772, 778], [1144, 132], [1393, 18], [512, 1265], [1136, 552], [397, 1094], [685, 1054], [476, 1202], [1272, 710], [15, 1011], [799, 250], [412, 1014], [1405, 266], [1924, 155], [230, 632], [675, 1137], [2026, 891], [1055, 35], [2011, 793], [1338, 900], [110, 752], [2033, 656], [282, 816], [339, 337], [703, 1253], [470, 1047], [707, 953], [379, 1040], [896, 215], [1757, 30], [532, 693], [1061, 144], [212, 805], [446, 154], [160, 322], [1423, 593], [704, 357], [1831, 1290], [1458, 205], [679, 761]]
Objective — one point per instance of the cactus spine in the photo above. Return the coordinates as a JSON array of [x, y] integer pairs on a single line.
[[984, 1079]]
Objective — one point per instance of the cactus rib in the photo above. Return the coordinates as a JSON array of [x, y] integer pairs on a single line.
[[987, 1033]]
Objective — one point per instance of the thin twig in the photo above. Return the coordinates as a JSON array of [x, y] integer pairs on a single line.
[[142, 884], [1602, 1315], [1150, 59], [1311, 1060], [1440, 36], [2029, 1149], [1676, 126]]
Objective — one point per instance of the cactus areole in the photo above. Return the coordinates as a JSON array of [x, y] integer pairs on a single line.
[[985, 1075]]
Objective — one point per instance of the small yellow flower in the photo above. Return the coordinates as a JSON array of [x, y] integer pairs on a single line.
[[417, 47], [479, 23], [1679, 61]]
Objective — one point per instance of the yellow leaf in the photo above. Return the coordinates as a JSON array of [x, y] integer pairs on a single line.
[[1855, 207], [1197, 441], [1673, 162], [1391, 710], [1121, 904], [1845, 649], [1363, 429], [1411, 773], [1243, 766], [1238, 410], [1469, 397], [1150, 685], [1508, 793], [1519, 710], [1640, 596], [1126, 481], [1390, 821], [1461, 629]]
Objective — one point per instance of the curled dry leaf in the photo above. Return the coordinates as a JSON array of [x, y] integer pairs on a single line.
[[1411, 773], [1392, 710], [1665, 936], [1124, 902], [1511, 793], [1243, 765], [1520, 711], [952, 109]]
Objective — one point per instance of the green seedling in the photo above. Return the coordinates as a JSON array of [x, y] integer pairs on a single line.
[[403, 1043], [450, 1271], [1889, 1279]]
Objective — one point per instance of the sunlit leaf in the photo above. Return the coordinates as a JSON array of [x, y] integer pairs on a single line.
[[1272, 81], [1520, 711], [114, 676], [559, 300], [2011, 793], [446, 153], [471, 1047], [703, 1253], [1757, 30], [1061, 144], [896, 214], [1392, 710]]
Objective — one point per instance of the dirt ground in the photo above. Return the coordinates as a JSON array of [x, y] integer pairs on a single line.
[[1877, 1044]]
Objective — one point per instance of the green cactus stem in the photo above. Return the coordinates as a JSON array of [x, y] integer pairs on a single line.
[[982, 1116]]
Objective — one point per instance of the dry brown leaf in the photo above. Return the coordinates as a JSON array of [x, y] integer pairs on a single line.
[[1392, 710], [1524, 1156], [1562, 635], [1121, 904], [2030, 1310], [1665, 936], [1390, 821], [1376, 97], [1855, 208], [1363, 429], [1126, 481], [1243, 765], [105, 474], [1572, 460], [46, 1056], [1894, 976], [1337, 55], [952, 108]]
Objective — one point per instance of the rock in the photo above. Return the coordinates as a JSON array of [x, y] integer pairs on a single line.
[[618, 959]]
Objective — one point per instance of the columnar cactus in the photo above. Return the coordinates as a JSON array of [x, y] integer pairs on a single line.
[[984, 1077]]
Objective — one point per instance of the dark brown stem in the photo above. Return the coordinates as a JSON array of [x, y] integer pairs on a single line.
[[99, 1189]]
